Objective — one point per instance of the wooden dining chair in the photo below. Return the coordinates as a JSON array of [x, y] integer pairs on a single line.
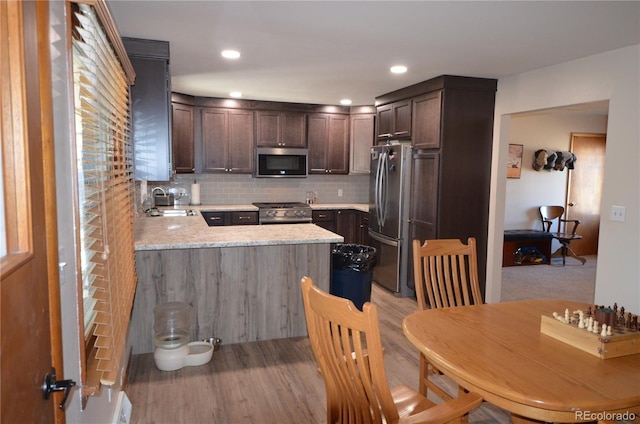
[[565, 231], [347, 346], [445, 274]]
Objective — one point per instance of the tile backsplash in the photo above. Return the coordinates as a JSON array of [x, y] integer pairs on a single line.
[[221, 189]]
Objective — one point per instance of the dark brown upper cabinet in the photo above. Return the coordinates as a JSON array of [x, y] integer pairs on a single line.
[[151, 108], [281, 129], [394, 120], [328, 143], [427, 116], [182, 140], [227, 140], [452, 139]]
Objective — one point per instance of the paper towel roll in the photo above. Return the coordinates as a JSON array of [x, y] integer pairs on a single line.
[[195, 194], [143, 191]]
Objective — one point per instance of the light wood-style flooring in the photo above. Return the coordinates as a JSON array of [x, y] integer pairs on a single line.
[[268, 381]]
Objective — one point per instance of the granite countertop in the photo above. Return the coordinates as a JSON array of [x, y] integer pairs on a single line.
[[364, 207], [192, 232], [187, 232]]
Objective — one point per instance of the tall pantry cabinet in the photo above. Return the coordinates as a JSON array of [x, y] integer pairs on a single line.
[[452, 137]]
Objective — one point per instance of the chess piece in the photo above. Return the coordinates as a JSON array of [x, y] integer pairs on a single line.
[[595, 327], [609, 331], [603, 333]]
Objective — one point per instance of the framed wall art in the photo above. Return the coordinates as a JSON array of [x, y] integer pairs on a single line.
[[514, 165]]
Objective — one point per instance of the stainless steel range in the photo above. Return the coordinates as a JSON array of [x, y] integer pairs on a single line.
[[283, 213]]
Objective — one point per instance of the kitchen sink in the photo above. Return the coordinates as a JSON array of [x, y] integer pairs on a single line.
[[171, 212]]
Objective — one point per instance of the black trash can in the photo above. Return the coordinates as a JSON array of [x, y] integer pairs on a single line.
[[352, 272]]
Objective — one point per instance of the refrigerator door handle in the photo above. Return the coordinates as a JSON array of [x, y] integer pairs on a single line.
[[377, 189], [383, 239], [384, 186]]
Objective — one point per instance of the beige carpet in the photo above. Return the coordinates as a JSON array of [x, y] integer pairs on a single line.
[[573, 281]]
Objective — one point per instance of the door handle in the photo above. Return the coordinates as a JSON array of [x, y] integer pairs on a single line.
[[50, 384]]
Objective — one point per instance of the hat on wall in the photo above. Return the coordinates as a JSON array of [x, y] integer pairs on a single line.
[[539, 159], [551, 160]]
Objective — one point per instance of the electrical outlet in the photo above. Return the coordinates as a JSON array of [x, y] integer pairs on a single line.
[[339, 192], [123, 409], [618, 213]]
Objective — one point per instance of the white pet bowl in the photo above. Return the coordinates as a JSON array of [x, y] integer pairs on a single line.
[[199, 353], [170, 359], [191, 354]]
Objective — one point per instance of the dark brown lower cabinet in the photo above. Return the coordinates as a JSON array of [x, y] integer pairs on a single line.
[[220, 218], [351, 224], [325, 218]]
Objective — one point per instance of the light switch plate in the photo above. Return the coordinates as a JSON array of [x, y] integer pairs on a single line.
[[618, 213]]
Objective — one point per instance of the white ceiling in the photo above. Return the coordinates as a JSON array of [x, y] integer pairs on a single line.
[[323, 51]]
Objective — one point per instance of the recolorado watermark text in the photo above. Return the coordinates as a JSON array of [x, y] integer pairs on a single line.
[[604, 415]]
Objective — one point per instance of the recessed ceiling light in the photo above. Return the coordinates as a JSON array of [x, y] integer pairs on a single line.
[[235, 94], [398, 69], [230, 54], [345, 102]]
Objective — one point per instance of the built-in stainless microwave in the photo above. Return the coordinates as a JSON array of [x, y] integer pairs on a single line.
[[281, 162]]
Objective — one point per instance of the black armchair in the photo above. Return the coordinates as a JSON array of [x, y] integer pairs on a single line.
[[553, 214]]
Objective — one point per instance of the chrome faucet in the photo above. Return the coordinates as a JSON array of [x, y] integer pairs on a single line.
[[153, 191]]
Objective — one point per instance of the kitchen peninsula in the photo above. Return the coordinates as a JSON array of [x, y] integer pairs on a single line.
[[241, 281]]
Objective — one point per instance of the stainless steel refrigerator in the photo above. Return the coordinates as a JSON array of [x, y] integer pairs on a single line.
[[389, 185]]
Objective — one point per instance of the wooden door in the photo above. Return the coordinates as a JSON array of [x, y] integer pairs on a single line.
[[29, 291], [584, 189]]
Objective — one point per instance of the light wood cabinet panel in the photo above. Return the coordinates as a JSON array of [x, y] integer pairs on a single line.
[[362, 138], [238, 294]]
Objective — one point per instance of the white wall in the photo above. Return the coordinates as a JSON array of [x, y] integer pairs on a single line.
[[550, 130], [613, 76]]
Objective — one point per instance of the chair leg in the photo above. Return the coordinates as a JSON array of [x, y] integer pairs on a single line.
[[426, 369], [424, 375], [564, 251], [575, 256]]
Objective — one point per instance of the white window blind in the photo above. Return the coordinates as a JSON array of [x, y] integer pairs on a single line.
[[105, 193]]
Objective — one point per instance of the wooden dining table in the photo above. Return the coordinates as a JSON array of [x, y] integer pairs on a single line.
[[498, 351]]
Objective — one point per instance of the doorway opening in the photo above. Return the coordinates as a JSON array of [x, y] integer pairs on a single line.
[[557, 130]]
